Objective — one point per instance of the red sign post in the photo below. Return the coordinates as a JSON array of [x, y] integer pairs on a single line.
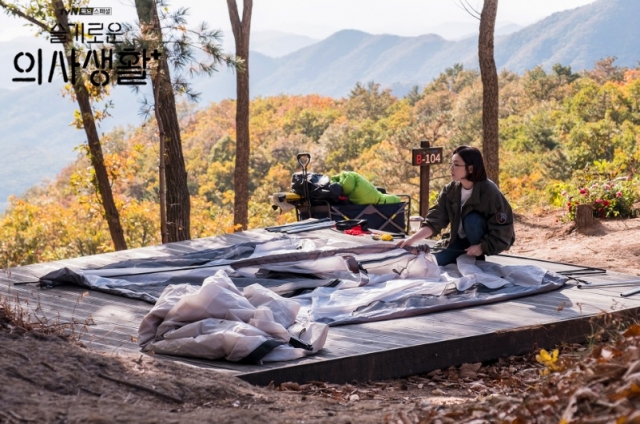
[[424, 157]]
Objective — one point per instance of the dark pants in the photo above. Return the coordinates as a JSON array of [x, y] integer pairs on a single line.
[[475, 227]]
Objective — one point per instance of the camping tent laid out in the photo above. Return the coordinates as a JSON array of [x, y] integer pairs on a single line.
[[275, 300]]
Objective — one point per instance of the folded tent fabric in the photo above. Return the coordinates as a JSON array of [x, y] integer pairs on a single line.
[[360, 191], [218, 321]]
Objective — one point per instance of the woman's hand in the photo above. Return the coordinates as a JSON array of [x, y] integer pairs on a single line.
[[424, 232], [404, 243], [475, 250]]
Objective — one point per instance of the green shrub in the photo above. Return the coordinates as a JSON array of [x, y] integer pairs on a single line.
[[609, 199]]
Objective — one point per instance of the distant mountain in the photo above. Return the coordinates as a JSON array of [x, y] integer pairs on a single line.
[[462, 30], [334, 65], [507, 28], [36, 142], [576, 37], [277, 44]]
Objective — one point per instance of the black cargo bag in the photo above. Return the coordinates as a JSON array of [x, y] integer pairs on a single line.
[[315, 187]]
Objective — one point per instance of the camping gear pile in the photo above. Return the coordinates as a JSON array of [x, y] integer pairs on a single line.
[[343, 197]]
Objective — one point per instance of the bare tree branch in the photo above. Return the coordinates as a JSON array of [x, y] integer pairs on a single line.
[[464, 4]]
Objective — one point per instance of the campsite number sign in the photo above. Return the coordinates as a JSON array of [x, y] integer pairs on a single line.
[[426, 156]]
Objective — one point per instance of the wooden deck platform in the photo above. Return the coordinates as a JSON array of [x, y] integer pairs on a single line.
[[362, 352]]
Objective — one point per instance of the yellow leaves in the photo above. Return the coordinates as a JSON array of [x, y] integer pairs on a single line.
[[228, 197], [545, 372], [95, 92], [544, 356], [100, 115], [47, 231], [77, 120], [548, 360]]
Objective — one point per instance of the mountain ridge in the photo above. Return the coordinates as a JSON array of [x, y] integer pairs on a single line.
[[577, 37]]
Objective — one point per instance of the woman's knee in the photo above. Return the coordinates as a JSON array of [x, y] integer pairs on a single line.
[[446, 257], [475, 219], [475, 226]]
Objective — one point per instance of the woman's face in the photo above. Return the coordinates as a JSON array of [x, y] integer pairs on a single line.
[[458, 169]]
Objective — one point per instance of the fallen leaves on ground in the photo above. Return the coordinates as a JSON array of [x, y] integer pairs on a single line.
[[600, 384]]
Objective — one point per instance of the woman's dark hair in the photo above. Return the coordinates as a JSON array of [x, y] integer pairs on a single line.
[[472, 157]]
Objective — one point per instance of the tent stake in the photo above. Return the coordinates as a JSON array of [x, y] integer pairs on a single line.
[[630, 292], [611, 284]]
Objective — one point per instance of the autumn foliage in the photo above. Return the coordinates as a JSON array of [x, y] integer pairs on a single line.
[[556, 128]]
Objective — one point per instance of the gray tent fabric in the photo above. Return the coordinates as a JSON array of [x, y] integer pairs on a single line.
[[291, 266], [206, 303], [146, 278]]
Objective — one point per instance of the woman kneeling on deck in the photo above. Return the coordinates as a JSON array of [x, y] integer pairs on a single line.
[[481, 218]]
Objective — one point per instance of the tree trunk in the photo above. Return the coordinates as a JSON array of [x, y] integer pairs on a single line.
[[97, 161], [584, 216], [95, 148], [489, 76], [178, 202], [162, 181], [241, 32], [178, 199]]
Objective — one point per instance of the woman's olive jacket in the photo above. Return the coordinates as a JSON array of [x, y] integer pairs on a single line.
[[487, 199]]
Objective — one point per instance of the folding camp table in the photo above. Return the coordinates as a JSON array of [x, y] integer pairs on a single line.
[[392, 218]]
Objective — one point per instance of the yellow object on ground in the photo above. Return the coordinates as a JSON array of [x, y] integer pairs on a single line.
[[383, 237]]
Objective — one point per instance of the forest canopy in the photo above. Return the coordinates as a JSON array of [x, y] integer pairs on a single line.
[[561, 133]]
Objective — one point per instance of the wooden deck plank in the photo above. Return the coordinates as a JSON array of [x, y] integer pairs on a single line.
[[413, 328], [427, 357], [357, 351], [80, 300]]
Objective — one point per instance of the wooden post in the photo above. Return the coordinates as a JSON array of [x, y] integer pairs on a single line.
[[424, 183], [584, 216]]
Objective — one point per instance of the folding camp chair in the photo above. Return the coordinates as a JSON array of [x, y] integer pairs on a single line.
[[392, 218]]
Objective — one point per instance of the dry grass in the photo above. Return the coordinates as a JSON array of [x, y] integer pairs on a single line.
[[18, 315]]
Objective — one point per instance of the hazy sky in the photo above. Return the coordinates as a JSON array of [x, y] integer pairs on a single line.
[[321, 18]]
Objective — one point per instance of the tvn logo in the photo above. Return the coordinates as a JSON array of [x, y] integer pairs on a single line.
[[87, 11]]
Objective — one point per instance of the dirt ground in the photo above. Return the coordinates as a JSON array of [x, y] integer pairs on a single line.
[[48, 378], [610, 244]]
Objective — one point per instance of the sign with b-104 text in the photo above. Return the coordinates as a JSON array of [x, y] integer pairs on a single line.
[[426, 156]]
